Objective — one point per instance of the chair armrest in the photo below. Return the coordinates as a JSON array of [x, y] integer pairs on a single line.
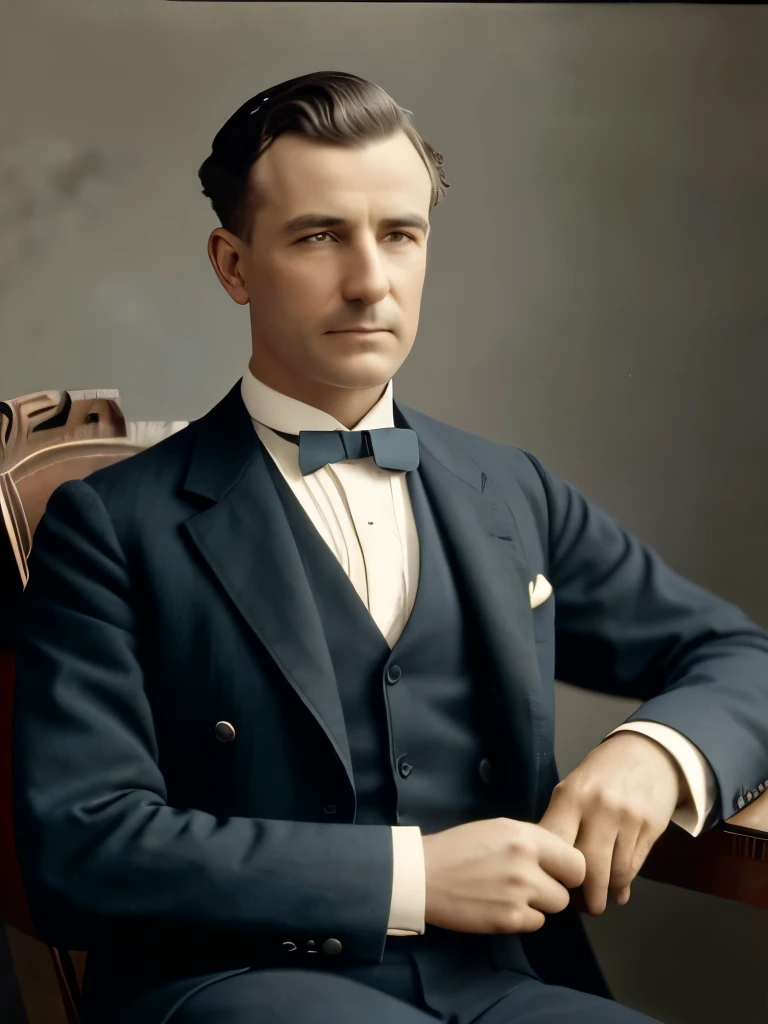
[[730, 861]]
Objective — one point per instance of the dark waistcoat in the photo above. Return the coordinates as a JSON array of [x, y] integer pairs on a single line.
[[417, 725]]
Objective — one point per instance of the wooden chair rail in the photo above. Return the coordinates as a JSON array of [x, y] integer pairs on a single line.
[[730, 861]]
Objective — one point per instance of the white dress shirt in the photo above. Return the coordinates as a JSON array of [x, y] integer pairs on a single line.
[[364, 515]]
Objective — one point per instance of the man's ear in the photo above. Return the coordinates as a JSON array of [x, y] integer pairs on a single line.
[[224, 252]]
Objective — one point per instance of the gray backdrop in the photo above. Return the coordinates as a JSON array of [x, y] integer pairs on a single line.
[[595, 290]]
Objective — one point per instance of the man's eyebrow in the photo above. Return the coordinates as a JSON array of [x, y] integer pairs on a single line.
[[323, 220]]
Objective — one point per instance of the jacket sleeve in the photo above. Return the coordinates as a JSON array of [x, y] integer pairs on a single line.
[[629, 625], [102, 852]]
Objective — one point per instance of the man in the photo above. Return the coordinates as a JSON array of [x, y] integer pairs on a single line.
[[284, 725]]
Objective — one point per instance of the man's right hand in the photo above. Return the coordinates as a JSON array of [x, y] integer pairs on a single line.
[[498, 876]]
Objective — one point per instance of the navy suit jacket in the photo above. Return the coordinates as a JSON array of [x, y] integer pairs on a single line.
[[167, 594]]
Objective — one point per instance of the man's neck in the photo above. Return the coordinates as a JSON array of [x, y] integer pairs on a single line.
[[347, 405]]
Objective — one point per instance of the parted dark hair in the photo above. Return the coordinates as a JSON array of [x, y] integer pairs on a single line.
[[330, 105]]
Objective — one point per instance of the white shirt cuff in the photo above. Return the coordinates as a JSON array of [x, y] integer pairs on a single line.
[[409, 890]]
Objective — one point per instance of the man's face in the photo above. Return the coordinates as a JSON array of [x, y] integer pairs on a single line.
[[306, 283]]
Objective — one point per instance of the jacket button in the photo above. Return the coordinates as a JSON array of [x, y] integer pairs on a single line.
[[485, 770], [405, 769], [331, 947], [393, 674], [225, 732]]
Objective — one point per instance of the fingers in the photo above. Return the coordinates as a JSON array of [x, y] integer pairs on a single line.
[[559, 857], [551, 897], [613, 837], [563, 863], [624, 874], [622, 897], [622, 866], [529, 920], [609, 853], [562, 817], [613, 860], [597, 845]]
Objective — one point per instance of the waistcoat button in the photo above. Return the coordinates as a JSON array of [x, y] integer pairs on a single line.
[[329, 809], [331, 947], [225, 732], [485, 770], [405, 769], [393, 674]]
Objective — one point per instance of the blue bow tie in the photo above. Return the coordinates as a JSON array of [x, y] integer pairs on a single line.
[[395, 448]]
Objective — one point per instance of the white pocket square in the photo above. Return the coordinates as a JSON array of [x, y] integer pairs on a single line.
[[539, 591]]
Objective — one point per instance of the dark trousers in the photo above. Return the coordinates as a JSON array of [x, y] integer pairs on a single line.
[[388, 993]]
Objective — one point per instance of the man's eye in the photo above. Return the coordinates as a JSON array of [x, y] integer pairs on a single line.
[[321, 234]]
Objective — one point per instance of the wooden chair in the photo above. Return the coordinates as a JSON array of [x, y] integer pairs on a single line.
[[45, 439], [53, 436], [730, 861]]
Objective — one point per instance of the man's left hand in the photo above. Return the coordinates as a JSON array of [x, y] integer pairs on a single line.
[[613, 808]]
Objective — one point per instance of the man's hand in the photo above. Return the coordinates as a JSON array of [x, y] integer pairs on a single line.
[[613, 808], [498, 876]]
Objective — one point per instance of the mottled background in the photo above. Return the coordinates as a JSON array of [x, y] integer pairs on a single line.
[[595, 293]]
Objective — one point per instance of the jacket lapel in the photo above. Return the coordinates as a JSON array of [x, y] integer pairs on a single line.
[[245, 539], [243, 536]]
